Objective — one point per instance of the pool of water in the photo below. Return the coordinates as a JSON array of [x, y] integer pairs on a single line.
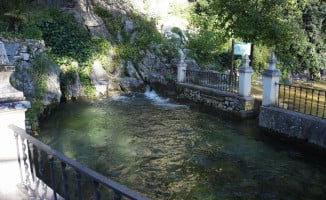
[[166, 150]]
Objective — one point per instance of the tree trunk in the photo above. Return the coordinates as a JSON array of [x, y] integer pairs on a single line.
[[11, 24]]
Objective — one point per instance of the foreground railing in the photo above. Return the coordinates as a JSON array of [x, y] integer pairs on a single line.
[[74, 180], [304, 100], [211, 79]]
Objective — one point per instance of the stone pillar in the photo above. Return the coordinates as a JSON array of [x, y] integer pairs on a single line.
[[12, 111], [271, 78], [181, 76], [245, 72]]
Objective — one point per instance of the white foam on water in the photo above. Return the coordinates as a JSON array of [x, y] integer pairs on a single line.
[[164, 102], [119, 97], [152, 95]]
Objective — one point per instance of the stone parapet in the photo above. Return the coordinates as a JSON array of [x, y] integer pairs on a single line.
[[231, 103], [293, 124], [17, 105]]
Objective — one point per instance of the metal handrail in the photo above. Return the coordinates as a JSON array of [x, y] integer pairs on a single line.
[[119, 190], [302, 99], [213, 79]]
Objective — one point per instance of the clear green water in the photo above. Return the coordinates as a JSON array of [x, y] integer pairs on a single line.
[[172, 152]]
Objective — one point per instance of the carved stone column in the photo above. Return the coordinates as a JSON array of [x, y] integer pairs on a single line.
[[271, 78], [245, 72]]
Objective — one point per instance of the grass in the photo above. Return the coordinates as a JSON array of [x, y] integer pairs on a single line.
[[257, 90], [304, 100], [320, 85]]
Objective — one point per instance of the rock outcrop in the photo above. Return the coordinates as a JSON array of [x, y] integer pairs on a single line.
[[21, 54], [99, 78], [152, 66]]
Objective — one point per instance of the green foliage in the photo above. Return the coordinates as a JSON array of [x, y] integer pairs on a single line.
[[267, 21], [113, 22], [18, 18], [41, 65], [204, 46], [144, 37], [168, 48], [70, 43], [307, 50], [294, 29], [68, 76], [66, 40], [209, 44], [88, 88], [13, 12], [127, 51], [65, 37], [314, 24], [177, 31], [261, 55]]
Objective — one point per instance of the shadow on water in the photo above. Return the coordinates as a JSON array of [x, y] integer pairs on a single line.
[[166, 150]]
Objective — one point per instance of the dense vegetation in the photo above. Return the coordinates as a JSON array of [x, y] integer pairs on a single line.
[[71, 46], [294, 29], [145, 36], [69, 43]]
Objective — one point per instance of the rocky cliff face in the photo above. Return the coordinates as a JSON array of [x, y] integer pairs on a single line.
[[151, 66]]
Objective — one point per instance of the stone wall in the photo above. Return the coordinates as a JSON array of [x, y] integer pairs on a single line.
[[309, 128], [234, 104], [21, 54]]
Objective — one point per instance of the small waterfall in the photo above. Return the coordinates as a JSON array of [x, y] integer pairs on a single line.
[[152, 95], [164, 102]]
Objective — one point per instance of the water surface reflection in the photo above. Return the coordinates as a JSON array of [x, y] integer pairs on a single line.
[[168, 151]]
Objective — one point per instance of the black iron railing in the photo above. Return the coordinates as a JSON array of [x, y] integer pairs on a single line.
[[212, 79], [304, 100], [40, 165]]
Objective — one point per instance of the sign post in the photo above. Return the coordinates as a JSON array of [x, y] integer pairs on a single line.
[[240, 48], [232, 58]]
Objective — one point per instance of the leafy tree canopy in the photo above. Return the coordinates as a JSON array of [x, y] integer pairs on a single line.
[[295, 29]]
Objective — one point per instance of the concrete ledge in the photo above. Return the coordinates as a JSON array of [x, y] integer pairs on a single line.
[[210, 91], [309, 128], [13, 106]]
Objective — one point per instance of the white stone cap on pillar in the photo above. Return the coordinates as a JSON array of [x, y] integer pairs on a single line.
[[272, 71], [272, 61], [245, 68]]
